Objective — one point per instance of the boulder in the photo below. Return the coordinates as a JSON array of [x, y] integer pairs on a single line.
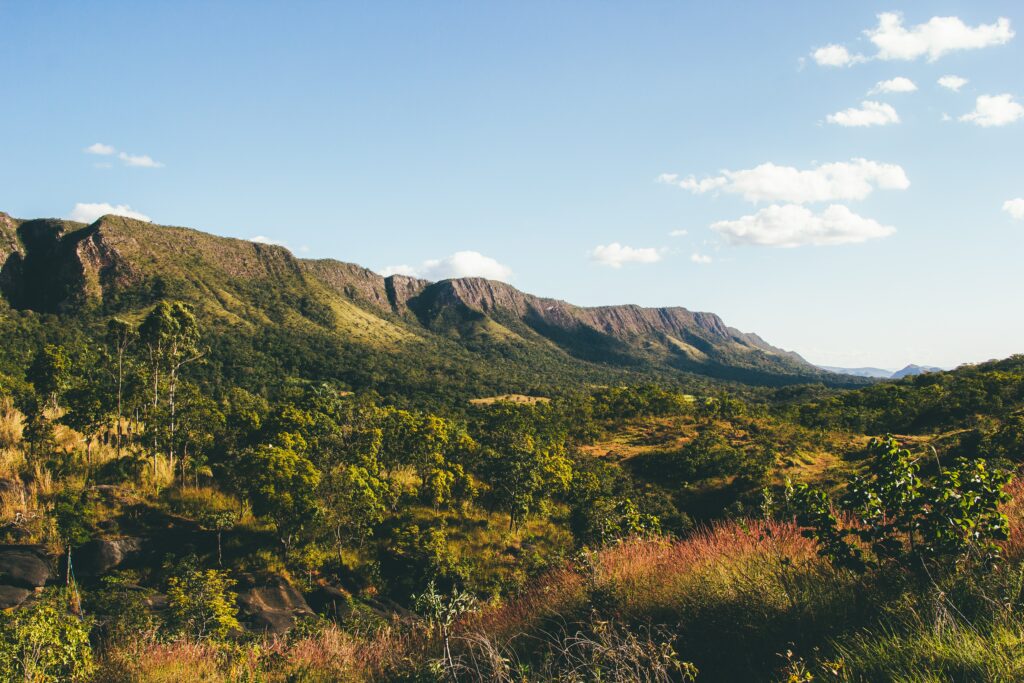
[[97, 557], [12, 596], [270, 604], [24, 566]]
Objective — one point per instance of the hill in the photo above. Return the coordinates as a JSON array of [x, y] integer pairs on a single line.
[[329, 319]]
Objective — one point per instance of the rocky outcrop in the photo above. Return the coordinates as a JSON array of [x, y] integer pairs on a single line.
[[24, 566], [12, 596], [99, 556], [270, 603]]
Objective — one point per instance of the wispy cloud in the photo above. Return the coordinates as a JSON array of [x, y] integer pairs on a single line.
[[139, 160], [614, 255], [702, 259], [894, 85], [134, 160]]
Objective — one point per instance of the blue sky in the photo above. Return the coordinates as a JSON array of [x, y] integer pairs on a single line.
[[559, 144]]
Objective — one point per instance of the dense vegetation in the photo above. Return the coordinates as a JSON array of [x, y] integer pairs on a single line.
[[200, 479]]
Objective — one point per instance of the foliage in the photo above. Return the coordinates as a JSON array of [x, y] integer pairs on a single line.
[[45, 642], [201, 602], [953, 519]]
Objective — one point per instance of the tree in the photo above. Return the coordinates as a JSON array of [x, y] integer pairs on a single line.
[[120, 337], [73, 513], [49, 373], [953, 519], [441, 611], [281, 484], [45, 643], [355, 500], [201, 602], [88, 411], [523, 463]]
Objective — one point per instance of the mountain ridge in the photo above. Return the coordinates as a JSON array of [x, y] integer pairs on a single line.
[[118, 264]]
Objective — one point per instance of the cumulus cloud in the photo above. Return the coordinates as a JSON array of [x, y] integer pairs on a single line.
[[994, 110], [835, 55], [870, 114], [953, 83], [459, 264], [702, 259], [1015, 207], [679, 233], [88, 213], [838, 181], [614, 255], [139, 160], [893, 85], [934, 38], [99, 148], [791, 225]]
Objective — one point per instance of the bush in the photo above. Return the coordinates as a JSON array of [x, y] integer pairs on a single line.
[[45, 643]]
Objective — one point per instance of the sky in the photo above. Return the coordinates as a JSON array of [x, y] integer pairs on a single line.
[[842, 178]]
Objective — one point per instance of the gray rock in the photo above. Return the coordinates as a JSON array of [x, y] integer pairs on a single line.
[[12, 596], [271, 604], [25, 566], [97, 557]]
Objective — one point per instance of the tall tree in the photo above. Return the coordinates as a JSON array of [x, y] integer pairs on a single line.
[[120, 337]]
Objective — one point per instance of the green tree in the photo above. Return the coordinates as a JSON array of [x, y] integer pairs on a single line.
[[45, 643], [281, 484], [120, 338], [49, 373], [201, 602]]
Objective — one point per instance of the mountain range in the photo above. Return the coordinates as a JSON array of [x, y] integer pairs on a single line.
[[879, 373], [353, 321]]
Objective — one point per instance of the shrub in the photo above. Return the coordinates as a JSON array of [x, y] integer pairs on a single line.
[[44, 642]]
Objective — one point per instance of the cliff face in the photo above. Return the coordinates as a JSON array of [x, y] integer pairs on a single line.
[[118, 263]]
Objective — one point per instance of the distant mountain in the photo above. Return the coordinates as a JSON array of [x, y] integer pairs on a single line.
[[859, 372], [915, 370], [325, 318], [879, 373]]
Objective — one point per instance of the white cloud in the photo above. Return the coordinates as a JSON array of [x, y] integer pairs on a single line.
[[88, 213], [700, 258], [679, 233], [791, 225], [934, 38], [898, 84], [842, 180], [1015, 207], [953, 83], [835, 55], [994, 110], [614, 255], [459, 264], [263, 239], [870, 114], [99, 148], [139, 160]]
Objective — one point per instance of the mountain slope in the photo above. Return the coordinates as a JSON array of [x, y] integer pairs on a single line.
[[354, 319]]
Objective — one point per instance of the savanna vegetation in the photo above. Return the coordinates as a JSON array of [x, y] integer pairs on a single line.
[[201, 481]]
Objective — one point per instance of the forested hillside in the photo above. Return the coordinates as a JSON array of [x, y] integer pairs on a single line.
[[219, 462]]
